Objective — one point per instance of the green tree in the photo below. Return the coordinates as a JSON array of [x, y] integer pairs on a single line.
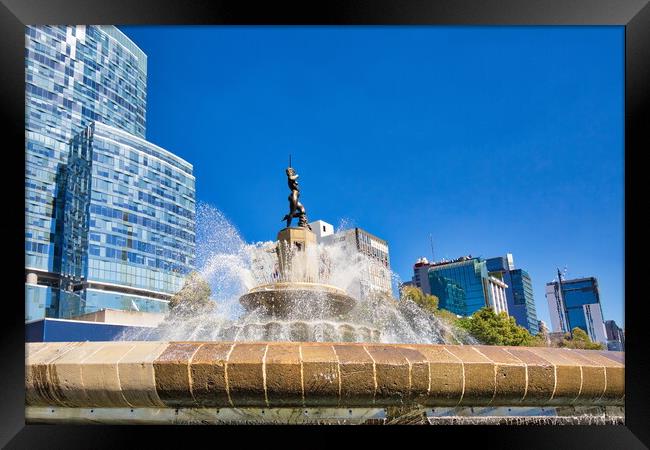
[[425, 301], [495, 329], [428, 303], [580, 339], [193, 298]]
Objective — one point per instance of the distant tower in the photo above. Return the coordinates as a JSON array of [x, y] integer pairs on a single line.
[[576, 303]]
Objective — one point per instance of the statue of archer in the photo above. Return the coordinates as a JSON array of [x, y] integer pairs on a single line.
[[296, 209]]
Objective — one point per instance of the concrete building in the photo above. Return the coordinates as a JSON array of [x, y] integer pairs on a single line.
[[421, 274], [321, 229], [519, 294], [372, 252], [576, 303], [119, 317], [615, 336], [497, 295]]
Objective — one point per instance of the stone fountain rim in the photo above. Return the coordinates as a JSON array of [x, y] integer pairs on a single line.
[[297, 286]]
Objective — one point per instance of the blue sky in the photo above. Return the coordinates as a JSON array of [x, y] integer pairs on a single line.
[[491, 139]]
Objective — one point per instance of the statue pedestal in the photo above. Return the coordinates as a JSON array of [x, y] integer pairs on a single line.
[[297, 256], [298, 300]]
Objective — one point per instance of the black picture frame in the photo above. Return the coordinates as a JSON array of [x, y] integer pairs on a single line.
[[634, 15]]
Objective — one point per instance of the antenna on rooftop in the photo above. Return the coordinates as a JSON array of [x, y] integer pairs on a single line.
[[433, 257]]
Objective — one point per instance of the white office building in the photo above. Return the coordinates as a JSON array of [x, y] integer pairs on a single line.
[[373, 257]]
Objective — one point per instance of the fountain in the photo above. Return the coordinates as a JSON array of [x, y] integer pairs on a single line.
[[294, 289], [292, 343], [299, 292]]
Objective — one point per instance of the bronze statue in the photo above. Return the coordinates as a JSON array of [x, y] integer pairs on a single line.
[[296, 209]]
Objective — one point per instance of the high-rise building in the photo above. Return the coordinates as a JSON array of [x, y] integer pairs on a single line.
[[375, 273], [73, 75], [615, 336], [128, 231], [576, 303], [521, 302], [463, 286], [76, 75], [421, 274]]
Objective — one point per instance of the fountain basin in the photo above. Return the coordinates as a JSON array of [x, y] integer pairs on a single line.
[[69, 375], [302, 300]]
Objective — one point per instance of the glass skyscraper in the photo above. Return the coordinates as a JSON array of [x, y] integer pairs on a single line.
[[75, 76], [519, 294], [576, 303], [128, 228], [461, 286]]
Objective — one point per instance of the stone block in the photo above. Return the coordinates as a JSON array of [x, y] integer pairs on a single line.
[[510, 375], [479, 376], [593, 377], [245, 374], [100, 375], [358, 383], [65, 374], [284, 374], [172, 371], [392, 374], [39, 388], [614, 374], [568, 375], [419, 379], [444, 374], [208, 374], [137, 376], [320, 374], [540, 374]]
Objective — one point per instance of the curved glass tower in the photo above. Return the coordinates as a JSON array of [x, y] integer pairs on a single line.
[[128, 228], [74, 75], [94, 76]]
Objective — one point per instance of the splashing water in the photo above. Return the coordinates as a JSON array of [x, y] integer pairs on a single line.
[[232, 267]]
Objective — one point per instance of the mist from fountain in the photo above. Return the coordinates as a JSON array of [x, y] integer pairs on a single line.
[[233, 267]]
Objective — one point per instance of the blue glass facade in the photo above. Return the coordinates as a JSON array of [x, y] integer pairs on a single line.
[[576, 294], [109, 216], [73, 75], [576, 304], [128, 228], [460, 286], [519, 293], [40, 301], [523, 301]]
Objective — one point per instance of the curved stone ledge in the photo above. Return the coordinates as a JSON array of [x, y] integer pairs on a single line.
[[300, 374]]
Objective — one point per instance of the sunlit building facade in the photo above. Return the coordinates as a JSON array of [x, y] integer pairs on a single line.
[[371, 252], [463, 286], [128, 231], [576, 303], [73, 75], [109, 216], [519, 294]]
